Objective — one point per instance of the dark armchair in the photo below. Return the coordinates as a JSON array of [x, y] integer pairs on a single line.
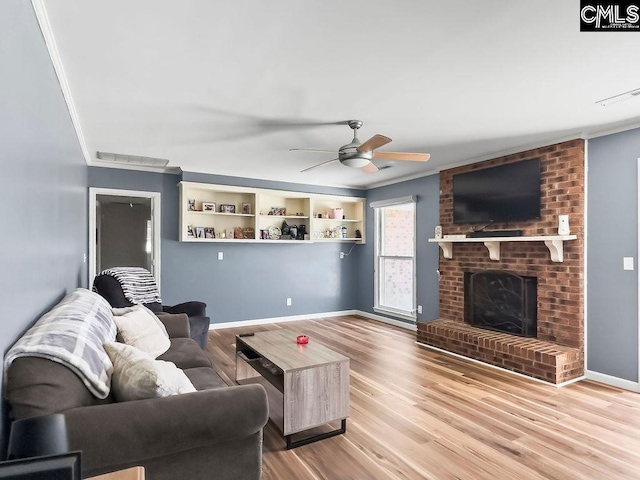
[[110, 288]]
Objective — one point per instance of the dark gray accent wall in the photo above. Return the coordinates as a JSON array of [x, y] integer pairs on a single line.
[[43, 198], [254, 280], [612, 233], [427, 190]]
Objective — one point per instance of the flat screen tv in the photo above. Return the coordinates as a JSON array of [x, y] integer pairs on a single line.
[[502, 194]]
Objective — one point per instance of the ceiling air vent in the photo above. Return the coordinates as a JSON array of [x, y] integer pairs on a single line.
[[619, 98], [132, 159]]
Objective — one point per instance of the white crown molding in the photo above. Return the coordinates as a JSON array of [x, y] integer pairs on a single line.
[[141, 168], [621, 128], [49, 39]]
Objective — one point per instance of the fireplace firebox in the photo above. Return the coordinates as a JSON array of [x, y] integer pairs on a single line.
[[502, 301]]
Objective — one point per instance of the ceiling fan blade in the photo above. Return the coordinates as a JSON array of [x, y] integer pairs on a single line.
[[374, 142], [310, 150], [370, 168], [319, 165], [412, 157]]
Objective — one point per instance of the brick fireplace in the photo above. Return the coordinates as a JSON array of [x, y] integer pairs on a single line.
[[556, 353]]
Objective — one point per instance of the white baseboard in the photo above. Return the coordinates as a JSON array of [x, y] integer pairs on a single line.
[[612, 381], [390, 321], [518, 374], [312, 316], [291, 318]]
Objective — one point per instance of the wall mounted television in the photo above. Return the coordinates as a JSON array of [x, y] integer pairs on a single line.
[[500, 194]]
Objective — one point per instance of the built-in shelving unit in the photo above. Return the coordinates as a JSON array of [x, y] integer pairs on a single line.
[[223, 213], [555, 244]]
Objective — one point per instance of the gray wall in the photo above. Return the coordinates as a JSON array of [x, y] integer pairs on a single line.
[[254, 280], [427, 189], [43, 199], [612, 233]]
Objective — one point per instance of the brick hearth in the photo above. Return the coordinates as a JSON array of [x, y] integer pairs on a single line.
[[560, 329]]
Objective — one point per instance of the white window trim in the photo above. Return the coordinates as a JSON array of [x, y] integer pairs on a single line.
[[412, 316]]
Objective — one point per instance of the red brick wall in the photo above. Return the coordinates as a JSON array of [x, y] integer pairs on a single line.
[[560, 285]]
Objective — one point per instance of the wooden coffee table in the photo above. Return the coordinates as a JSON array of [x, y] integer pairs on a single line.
[[308, 385]]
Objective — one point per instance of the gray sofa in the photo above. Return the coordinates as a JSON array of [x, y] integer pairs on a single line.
[[215, 432]]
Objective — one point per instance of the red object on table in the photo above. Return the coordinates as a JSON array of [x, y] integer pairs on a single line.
[[302, 339]]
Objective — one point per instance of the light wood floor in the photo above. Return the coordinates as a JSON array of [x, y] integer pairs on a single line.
[[420, 414]]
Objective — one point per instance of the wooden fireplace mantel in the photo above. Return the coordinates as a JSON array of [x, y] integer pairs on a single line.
[[555, 244]]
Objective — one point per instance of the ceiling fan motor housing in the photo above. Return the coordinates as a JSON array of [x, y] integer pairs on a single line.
[[349, 155]]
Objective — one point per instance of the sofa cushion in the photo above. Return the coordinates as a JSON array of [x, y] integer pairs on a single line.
[[137, 376], [141, 328], [37, 386], [186, 353], [204, 378]]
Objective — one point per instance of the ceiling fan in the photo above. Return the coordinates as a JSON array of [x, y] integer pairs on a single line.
[[359, 155]]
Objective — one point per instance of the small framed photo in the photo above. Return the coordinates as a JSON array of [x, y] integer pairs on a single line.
[[208, 207], [200, 232], [209, 232], [191, 204], [190, 232], [224, 208], [246, 208]]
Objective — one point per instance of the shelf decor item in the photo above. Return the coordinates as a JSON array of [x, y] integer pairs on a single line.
[[225, 208], [208, 207], [246, 208], [191, 205]]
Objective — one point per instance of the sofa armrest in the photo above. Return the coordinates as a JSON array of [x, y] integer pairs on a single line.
[[193, 309], [127, 433], [177, 324]]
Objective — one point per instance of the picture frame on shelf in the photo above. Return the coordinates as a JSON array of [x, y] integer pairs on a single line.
[[190, 231], [226, 208], [246, 208], [200, 232], [191, 204], [208, 207], [209, 232]]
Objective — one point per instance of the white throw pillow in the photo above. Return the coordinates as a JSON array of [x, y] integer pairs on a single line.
[[140, 327], [137, 376]]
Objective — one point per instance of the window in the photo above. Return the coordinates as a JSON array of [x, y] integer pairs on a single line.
[[395, 257]]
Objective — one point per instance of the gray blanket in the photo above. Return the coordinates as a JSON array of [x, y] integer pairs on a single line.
[[72, 333]]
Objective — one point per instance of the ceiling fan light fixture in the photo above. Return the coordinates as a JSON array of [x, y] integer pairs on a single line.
[[619, 98], [355, 162]]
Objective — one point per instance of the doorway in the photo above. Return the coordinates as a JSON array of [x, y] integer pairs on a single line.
[[124, 230]]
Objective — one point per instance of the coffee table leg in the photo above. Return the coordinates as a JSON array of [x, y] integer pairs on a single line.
[[305, 441]]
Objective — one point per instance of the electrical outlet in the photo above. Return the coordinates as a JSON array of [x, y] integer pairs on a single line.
[[220, 255], [419, 309], [341, 255], [627, 263], [288, 302]]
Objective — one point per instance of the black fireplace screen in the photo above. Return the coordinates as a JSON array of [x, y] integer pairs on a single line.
[[502, 301]]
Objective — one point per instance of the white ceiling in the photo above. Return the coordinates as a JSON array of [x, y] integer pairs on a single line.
[[227, 87]]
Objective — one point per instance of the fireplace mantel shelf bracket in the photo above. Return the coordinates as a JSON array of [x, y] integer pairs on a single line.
[[555, 244]]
